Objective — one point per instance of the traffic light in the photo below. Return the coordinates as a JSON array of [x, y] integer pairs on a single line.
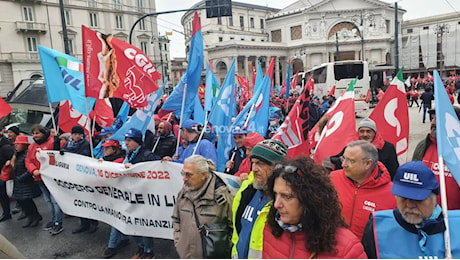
[[218, 8]]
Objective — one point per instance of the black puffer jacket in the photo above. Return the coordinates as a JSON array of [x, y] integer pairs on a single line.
[[166, 146], [82, 148], [6, 150], [24, 185], [144, 155]]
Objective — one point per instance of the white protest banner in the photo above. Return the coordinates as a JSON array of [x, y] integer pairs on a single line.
[[137, 201]]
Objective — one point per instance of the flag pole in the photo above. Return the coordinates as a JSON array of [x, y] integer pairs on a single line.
[[158, 139], [52, 117], [245, 125], [202, 132], [442, 187], [181, 118], [91, 146]]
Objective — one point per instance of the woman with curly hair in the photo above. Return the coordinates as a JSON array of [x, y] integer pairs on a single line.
[[305, 218]]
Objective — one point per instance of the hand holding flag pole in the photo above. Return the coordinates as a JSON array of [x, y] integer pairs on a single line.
[[232, 159]]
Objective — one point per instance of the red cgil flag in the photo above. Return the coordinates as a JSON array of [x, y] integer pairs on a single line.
[[332, 91], [294, 130], [340, 128], [114, 68], [102, 113], [5, 109], [391, 116], [68, 118]]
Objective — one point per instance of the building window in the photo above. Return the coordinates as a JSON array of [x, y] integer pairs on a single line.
[[118, 21], [425, 27], [144, 47], [93, 20], [410, 30], [165, 47], [140, 5], [232, 38], [28, 16], [251, 22], [242, 22], [71, 46], [296, 32], [221, 39], [242, 39], [159, 46], [219, 20], [166, 57], [142, 25], [230, 20], [262, 23], [253, 40], [92, 3], [387, 24], [68, 20], [276, 36], [117, 4], [31, 44]]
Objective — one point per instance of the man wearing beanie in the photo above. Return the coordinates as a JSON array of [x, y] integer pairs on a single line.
[[415, 229], [12, 133], [367, 130], [137, 154], [251, 203]]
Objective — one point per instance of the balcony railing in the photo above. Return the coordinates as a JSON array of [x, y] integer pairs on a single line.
[[20, 56], [31, 26]]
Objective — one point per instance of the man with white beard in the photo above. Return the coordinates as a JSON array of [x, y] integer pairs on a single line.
[[415, 229]]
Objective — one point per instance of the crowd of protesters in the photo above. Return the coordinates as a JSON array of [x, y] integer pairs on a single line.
[[358, 204]]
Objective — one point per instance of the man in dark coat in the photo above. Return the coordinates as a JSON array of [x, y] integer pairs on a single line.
[[6, 152], [137, 154], [167, 141], [79, 145], [426, 98]]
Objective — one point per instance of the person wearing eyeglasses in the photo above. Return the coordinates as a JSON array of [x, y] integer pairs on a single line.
[[251, 202], [238, 153], [204, 196], [304, 220], [363, 185], [415, 229]]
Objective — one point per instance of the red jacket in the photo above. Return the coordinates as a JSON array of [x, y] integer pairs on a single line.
[[245, 167], [292, 245], [359, 201], [32, 162]]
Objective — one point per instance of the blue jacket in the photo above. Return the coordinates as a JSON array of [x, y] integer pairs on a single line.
[[205, 149], [398, 239]]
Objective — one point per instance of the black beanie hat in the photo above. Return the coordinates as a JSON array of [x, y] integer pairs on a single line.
[[78, 130], [14, 129]]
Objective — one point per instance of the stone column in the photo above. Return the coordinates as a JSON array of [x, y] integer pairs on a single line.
[[246, 67], [277, 70]]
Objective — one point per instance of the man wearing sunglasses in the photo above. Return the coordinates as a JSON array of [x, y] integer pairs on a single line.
[[363, 185], [427, 152], [252, 202]]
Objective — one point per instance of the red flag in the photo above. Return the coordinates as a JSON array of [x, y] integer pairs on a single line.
[[332, 91], [310, 88], [368, 96], [294, 130], [430, 77], [102, 113], [340, 129], [269, 72], [294, 80], [114, 68], [244, 84], [68, 118], [391, 116], [5, 109], [254, 76]]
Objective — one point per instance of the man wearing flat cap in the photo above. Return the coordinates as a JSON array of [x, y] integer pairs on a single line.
[[415, 229]]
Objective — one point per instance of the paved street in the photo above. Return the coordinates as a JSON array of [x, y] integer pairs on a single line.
[[35, 243]]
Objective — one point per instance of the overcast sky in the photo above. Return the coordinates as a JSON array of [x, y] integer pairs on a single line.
[[171, 22]]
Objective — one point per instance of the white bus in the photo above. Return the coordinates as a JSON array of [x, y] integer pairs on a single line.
[[340, 74]]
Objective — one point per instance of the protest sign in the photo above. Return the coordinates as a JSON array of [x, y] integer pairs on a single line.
[[137, 201]]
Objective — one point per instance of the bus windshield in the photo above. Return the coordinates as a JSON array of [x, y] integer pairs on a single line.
[[348, 71]]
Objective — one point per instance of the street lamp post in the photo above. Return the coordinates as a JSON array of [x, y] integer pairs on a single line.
[[440, 30], [360, 27]]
